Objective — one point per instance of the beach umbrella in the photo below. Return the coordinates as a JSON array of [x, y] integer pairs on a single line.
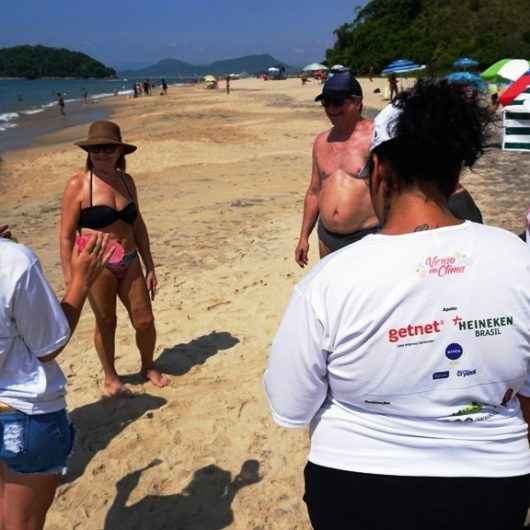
[[467, 78], [209, 78], [465, 62], [314, 67], [273, 69], [402, 66], [338, 68], [521, 86], [506, 70]]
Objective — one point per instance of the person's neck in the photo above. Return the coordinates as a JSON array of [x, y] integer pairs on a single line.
[[413, 211], [347, 129], [106, 173]]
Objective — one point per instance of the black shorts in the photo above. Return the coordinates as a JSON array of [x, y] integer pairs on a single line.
[[334, 241], [344, 500]]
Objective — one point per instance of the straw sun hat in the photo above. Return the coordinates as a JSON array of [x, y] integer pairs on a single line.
[[105, 133]]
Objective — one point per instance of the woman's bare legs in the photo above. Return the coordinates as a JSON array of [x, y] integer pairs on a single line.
[[102, 297], [25, 499], [133, 293]]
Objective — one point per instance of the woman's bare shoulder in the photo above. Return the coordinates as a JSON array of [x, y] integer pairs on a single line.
[[75, 183]]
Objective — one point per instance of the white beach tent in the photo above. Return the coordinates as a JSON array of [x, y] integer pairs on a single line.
[[314, 67], [516, 123]]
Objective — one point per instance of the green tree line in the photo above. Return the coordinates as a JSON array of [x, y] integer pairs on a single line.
[[33, 62], [432, 32]]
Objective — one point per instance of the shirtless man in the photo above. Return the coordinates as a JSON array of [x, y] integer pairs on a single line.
[[342, 201]]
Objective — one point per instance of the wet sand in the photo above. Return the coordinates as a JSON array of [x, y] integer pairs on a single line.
[[221, 181]]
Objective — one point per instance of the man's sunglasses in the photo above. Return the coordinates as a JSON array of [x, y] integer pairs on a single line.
[[107, 149], [333, 102]]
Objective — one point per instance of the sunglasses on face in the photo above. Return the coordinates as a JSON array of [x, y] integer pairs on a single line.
[[107, 149], [333, 102], [366, 170]]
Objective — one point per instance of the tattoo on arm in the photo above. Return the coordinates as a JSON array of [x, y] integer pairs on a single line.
[[421, 228]]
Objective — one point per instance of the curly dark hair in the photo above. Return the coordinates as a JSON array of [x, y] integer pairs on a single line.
[[442, 128]]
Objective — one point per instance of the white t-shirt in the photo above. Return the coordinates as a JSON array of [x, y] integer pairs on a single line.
[[32, 325], [406, 353]]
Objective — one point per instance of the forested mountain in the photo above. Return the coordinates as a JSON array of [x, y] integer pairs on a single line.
[[172, 67], [433, 32], [40, 61]]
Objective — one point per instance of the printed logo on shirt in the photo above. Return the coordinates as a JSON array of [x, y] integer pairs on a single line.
[[464, 414], [466, 373], [454, 308], [440, 375], [483, 327], [372, 402], [454, 351], [414, 330], [443, 266]]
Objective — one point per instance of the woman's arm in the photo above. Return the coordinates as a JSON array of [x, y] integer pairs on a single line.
[[141, 237], [70, 210]]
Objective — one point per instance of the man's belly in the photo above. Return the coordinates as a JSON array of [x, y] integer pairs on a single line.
[[345, 205]]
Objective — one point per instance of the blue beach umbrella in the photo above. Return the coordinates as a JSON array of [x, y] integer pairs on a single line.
[[402, 66], [467, 78], [465, 62]]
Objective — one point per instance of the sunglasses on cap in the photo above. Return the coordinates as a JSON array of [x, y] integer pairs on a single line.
[[107, 149], [330, 101]]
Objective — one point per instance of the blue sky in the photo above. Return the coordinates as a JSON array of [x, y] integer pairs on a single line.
[[130, 33]]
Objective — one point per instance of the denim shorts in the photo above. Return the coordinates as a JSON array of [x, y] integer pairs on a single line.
[[36, 443]]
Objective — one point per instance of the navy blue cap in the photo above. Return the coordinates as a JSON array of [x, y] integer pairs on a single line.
[[341, 84]]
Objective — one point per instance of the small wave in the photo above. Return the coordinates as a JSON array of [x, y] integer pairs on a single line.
[[125, 92], [50, 104], [32, 111], [6, 126], [103, 95], [9, 116]]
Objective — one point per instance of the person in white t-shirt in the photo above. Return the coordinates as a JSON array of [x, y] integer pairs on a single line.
[[408, 353], [36, 436]]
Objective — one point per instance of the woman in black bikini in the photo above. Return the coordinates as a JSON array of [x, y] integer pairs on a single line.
[[103, 198]]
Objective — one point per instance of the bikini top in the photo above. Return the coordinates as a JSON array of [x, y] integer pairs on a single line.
[[97, 217]]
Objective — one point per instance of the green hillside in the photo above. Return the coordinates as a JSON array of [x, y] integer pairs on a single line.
[[33, 62], [432, 32]]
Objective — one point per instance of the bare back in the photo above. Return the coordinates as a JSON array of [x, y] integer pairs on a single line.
[[344, 201]]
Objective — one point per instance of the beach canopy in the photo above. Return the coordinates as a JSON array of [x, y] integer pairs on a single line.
[[273, 69], [314, 67], [467, 78], [465, 62], [506, 70], [402, 66], [521, 86], [338, 68], [209, 78]]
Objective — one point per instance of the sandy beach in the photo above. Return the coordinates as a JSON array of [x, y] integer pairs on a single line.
[[221, 181]]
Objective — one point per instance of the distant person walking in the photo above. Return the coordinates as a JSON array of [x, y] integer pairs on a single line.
[[228, 84], [147, 88], [164, 87], [85, 95], [60, 101], [393, 86]]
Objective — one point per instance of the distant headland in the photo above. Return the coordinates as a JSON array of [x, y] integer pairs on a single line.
[[251, 64], [34, 62]]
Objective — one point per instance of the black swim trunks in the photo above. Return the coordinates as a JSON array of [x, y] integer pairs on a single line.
[[335, 241]]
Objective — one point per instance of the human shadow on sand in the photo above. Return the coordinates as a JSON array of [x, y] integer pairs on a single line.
[[181, 358], [98, 423], [204, 504]]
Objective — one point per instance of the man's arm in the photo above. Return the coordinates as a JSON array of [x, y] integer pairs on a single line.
[[310, 212]]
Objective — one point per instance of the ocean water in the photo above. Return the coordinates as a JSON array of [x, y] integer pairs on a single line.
[[28, 108]]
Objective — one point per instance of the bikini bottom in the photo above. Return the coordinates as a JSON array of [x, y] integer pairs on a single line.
[[120, 268]]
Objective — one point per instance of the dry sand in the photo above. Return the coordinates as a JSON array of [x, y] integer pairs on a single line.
[[221, 181]]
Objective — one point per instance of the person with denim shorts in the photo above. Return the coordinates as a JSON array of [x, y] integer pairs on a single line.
[[36, 436]]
